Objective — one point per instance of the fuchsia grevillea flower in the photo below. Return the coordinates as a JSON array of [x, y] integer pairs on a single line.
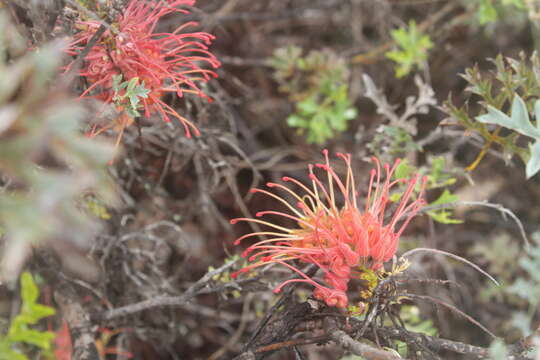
[[338, 239], [161, 62]]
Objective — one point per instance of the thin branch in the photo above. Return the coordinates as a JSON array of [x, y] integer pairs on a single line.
[[161, 301], [342, 339], [504, 211], [452, 308], [437, 344], [366, 351], [89, 14], [453, 256], [309, 271], [79, 322]]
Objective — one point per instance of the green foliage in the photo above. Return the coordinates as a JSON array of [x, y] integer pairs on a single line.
[[317, 83], [518, 85], [519, 121], [413, 49], [489, 10], [500, 254], [128, 94], [49, 162], [486, 12], [444, 216], [528, 288], [437, 177], [20, 331], [392, 141], [321, 119]]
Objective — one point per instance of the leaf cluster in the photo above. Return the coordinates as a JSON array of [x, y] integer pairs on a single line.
[[412, 50], [128, 94], [20, 330], [528, 288], [490, 11], [317, 83], [514, 83], [501, 254], [438, 176], [392, 141], [48, 162]]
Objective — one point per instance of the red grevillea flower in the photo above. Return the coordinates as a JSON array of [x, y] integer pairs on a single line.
[[338, 239], [161, 62]]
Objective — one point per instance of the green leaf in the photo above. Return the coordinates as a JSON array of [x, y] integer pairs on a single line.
[[519, 120], [486, 12], [308, 106], [132, 84], [40, 339], [444, 215], [404, 170], [296, 121], [39, 311], [413, 49], [29, 290], [445, 198], [6, 353]]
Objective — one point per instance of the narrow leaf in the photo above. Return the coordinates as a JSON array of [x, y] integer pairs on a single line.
[[29, 290]]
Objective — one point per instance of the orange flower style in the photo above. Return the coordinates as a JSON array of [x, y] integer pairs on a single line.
[[154, 62], [338, 239]]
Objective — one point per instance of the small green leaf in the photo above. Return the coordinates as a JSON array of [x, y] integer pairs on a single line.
[[404, 170], [40, 339], [445, 198], [6, 353], [29, 290], [308, 106], [413, 49], [444, 215], [39, 311], [132, 83], [486, 12]]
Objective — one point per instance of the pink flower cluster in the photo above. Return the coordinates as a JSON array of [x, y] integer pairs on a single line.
[[162, 62], [338, 239]]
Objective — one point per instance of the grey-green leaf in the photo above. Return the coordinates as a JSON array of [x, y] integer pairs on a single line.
[[533, 165], [519, 121]]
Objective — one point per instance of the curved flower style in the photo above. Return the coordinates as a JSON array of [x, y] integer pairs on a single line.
[[157, 63], [336, 239]]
